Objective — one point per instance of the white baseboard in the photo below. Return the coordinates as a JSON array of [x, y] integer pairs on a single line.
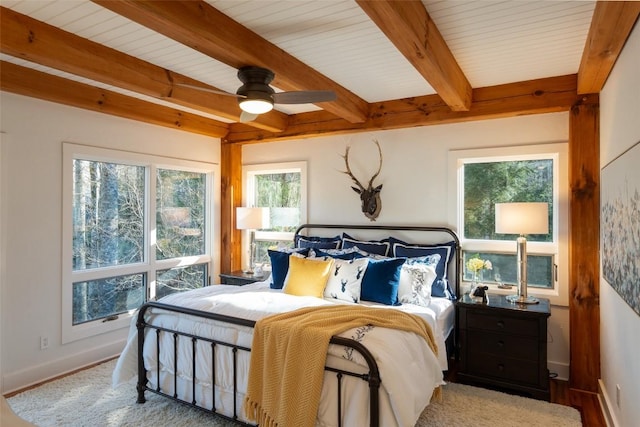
[[560, 369], [55, 368], [606, 405]]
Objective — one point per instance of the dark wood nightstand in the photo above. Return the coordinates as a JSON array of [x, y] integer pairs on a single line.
[[504, 345], [239, 278]]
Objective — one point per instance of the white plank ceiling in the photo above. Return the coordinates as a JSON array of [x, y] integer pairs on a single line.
[[494, 42]]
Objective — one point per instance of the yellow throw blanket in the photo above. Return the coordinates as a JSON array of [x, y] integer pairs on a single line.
[[289, 353]]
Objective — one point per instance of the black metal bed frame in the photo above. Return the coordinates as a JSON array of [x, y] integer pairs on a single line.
[[372, 376]]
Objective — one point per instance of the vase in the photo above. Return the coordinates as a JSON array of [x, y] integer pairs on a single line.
[[476, 281]]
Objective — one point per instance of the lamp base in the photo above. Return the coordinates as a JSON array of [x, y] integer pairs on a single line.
[[521, 299]]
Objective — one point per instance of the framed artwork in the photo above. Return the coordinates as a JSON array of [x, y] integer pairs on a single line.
[[620, 225]]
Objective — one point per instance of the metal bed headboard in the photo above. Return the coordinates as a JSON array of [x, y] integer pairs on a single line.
[[455, 269]]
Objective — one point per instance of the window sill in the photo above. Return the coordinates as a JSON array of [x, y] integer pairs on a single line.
[[551, 294]]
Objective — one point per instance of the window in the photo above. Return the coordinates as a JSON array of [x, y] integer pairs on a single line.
[[516, 174], [282, 188], [135, 228]]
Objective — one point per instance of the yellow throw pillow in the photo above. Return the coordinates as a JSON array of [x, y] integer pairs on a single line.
[[307, 276]]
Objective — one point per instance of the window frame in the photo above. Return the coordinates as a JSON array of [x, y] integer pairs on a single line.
[[248, 196], [150, 265], [558, 248]]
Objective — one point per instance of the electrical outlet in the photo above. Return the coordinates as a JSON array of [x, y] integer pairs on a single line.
[[618, 395], [44, 343]]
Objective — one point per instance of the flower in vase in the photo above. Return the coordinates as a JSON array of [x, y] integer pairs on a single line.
[[476, 265]]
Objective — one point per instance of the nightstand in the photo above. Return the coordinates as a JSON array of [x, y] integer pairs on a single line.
[[239, 278], [504, 345]]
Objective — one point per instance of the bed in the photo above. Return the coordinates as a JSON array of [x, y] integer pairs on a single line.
[[195, 347]]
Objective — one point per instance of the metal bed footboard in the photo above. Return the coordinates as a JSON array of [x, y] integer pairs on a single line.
[[372, 376]]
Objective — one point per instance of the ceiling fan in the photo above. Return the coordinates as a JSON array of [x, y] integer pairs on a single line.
[[256, 97]]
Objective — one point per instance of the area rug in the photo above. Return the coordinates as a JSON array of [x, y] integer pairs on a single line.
[[87, 399]]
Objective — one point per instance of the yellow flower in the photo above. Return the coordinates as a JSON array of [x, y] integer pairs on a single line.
[[477, 264]]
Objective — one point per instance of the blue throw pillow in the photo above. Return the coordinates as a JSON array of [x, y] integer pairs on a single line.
[[316, 242], [381, 280], [377, 247], [441, 287], [280, 265]]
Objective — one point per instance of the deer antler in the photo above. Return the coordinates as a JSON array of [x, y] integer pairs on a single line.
[[370, 196], [348, 171], [379, 166]]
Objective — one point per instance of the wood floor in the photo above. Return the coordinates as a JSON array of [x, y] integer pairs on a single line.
[[587, 403]]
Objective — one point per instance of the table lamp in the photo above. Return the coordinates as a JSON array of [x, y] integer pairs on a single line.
[[252, 219], [522, 219]]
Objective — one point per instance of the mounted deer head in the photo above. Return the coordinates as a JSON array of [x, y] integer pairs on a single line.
[[370, 195]]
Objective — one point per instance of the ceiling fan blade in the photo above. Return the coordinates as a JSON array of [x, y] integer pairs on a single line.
[[204, 89], [247, 117], [304, 97]]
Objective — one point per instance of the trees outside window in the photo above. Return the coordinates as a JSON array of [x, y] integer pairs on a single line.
[[503, 181], [282, 189], [180, 213], [483, 177], [129, 238]]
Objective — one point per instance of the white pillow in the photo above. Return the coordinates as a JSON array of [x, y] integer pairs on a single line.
[[345, 279], [415, 284]]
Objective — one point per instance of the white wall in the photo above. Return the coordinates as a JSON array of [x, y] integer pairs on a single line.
[[619, 324], [415, 178], [31, 218], [414, 174]]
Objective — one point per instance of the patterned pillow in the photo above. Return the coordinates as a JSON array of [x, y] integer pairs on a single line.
[[370, 255], [378, 247], [307, 276], [415, 283], [345, 280], [432, 260], [441, 286], [347, 254], [316, 242]]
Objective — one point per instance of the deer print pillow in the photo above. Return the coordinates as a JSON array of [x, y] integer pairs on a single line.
[[345, 279]]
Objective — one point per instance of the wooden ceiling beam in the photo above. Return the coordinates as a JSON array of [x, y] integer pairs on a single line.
[[410, 28], [611, 25], [26, 81], [202, 27], [35, 41], [539, 96]]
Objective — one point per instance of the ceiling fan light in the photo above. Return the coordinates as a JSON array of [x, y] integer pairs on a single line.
[[255, 101], [256, 106]]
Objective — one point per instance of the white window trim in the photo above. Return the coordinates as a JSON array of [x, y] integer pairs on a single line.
[[267, 168], [559, 151], [249, 191], [72, 151]]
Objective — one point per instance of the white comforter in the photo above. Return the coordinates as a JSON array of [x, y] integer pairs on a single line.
[[409, 370]]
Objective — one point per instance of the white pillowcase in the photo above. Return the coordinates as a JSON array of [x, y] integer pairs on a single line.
[[415, 284], [345, 279]]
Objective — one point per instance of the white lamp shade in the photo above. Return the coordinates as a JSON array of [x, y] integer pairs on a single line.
[[252, 218], [522, 218]]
